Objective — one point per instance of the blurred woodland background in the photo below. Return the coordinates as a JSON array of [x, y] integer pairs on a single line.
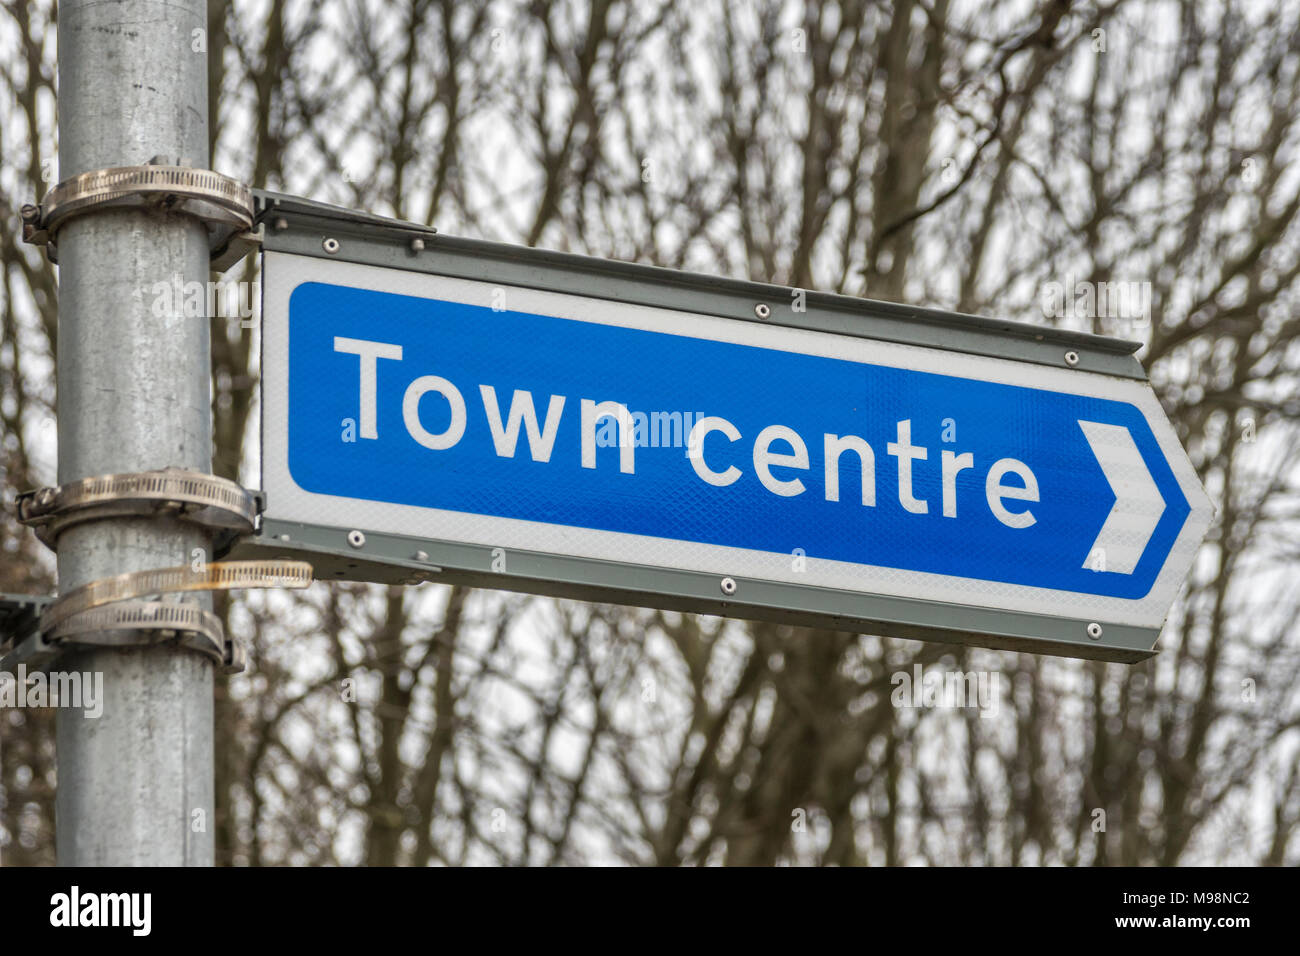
[[961, 155]]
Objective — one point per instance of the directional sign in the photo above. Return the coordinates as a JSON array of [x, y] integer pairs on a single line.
[[545, 439]]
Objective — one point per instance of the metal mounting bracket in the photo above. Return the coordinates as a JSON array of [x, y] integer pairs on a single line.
[[270, 206], [107, 612], [20, 632]]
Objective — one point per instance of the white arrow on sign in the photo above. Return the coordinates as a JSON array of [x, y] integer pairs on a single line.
[[1138, 503]]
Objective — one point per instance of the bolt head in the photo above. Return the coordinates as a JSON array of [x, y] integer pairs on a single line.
[[762, 310], [1072, 358], [356, 539], [1094, 631], [330, 245], [728, 586]]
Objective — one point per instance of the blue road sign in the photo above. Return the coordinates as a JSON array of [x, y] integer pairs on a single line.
[[538, 420]]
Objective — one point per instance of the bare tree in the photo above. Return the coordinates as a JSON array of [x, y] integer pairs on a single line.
[[943, 153]]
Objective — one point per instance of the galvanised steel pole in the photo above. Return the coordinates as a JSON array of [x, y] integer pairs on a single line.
[[133, 395]]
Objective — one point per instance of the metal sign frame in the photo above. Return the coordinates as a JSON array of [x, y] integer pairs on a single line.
[[305, 228]]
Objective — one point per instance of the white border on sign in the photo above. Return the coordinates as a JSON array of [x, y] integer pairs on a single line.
[[284, 272]]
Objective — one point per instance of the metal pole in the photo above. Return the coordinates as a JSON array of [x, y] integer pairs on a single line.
[[133, 396]]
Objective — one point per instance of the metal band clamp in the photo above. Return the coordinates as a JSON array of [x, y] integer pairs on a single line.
[[202, 499], [132, 623], [105, 612], [222, 204]]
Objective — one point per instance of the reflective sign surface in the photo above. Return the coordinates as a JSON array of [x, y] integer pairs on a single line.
[[536, 420]]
